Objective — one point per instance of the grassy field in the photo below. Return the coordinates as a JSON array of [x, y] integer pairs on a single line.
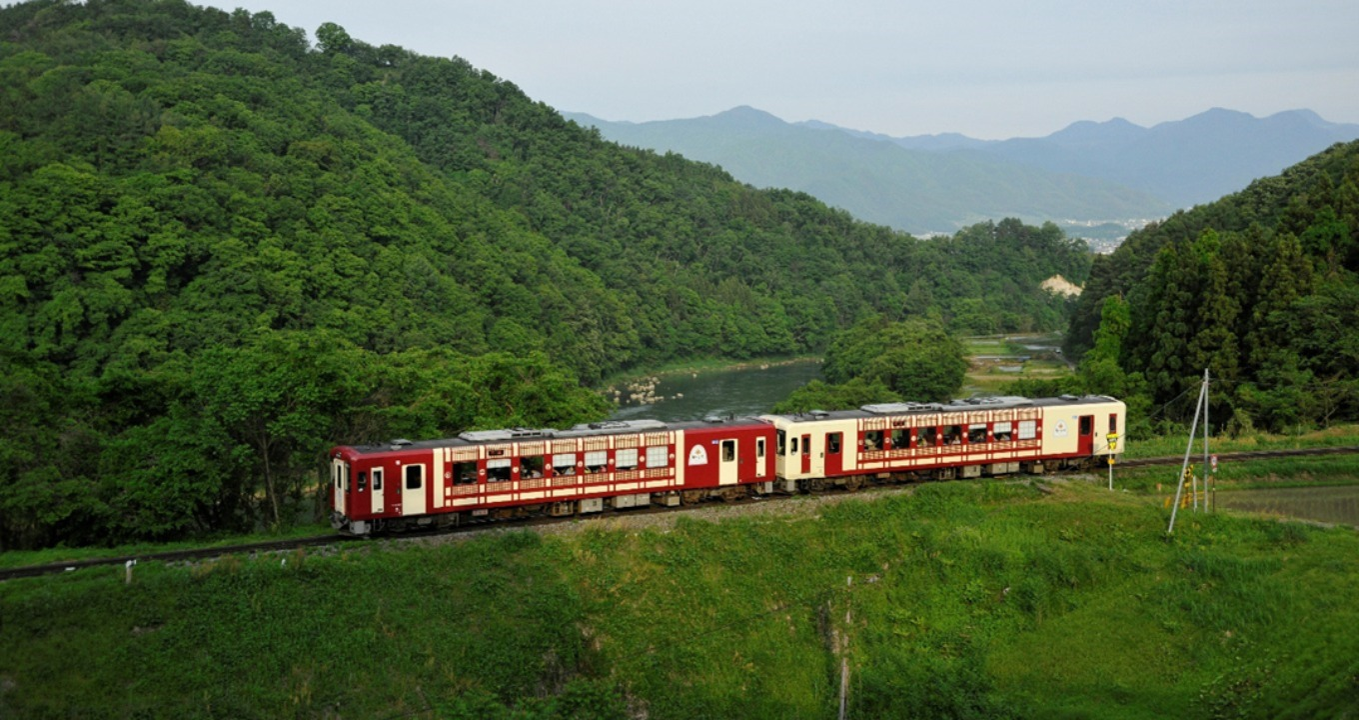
[[22, 558], [990, 376], [975, 599], [1174, 445]]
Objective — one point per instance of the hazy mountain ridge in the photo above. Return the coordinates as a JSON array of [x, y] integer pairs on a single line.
[[1089, 170], [1187, 162], [879, 181]]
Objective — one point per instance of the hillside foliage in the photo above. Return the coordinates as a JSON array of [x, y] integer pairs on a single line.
[[223, 249], [1261, 288]]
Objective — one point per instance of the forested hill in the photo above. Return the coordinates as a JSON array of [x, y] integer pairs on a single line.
[[223, 249], [1259, 287]]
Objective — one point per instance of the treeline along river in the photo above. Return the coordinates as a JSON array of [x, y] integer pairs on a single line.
[[745, 390]]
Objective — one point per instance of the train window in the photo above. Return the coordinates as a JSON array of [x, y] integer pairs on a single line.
[[953, 435], [625, 459], [346, 477], [1002, 431], [464, 473], [1087, 425], [564, 464], [759, 448], [414, 476], [782, 442], [497, 470], [658, 456], [1113, 423], [377, 479], [363, 481], [976, 434], [728, 450], [794, 446], [337, 477], [928, 436], [873, 440], [832, 443], [901, 438], [531, 467], [1028, 429], [597, 461]]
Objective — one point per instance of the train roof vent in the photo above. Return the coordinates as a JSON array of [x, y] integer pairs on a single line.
[[481, 436], [401, 442], [819, 414], [713, 419], [893, 408], [622, 425], [1070, 398]]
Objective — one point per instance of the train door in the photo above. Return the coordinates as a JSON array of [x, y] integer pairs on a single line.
[[338, 469], [834, 453], [806, 454], [727, 463], [413, 489], [1086, 443], [377, 490]]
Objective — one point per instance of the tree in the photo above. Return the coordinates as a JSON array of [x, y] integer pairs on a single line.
[[917, 359], [273, 401], [818, 395], [332, 38]]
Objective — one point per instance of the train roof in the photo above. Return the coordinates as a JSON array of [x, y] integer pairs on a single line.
[[473, 438], [968, 405], [619, 427]]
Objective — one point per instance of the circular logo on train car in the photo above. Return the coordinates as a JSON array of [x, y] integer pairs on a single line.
[[1060, 429], [698, 455]]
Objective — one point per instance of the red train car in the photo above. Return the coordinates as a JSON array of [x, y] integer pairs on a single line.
[[511, 472]]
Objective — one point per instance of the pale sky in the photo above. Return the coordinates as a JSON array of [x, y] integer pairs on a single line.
[[986, 68]]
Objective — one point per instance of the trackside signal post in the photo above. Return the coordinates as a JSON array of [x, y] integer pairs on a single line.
[[1113, 446], [1200, 408]]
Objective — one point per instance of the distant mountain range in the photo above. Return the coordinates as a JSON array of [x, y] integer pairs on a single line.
[[1086, 174]]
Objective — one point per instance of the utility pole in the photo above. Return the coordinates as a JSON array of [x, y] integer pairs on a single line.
[[1200, 407]]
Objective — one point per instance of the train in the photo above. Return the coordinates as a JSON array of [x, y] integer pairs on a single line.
[[616, 465]]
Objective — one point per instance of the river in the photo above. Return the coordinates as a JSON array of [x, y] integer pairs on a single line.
[[747, 390]]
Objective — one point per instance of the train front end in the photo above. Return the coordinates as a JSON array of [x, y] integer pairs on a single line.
[[346, 515]]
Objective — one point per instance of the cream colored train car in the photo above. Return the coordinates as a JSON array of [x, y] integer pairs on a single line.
[[964, 438]]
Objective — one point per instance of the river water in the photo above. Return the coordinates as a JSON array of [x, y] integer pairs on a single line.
[[733, 391], [1339, 505]]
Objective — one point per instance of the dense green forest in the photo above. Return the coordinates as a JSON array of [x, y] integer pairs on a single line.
[[224, 248], [878, 361], [1260, 288]]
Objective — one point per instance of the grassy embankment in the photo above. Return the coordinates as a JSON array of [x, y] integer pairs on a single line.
[[980, 599], [1260, 473]]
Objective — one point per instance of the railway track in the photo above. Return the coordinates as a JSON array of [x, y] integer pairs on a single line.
[[293, 544], [1237, 456]]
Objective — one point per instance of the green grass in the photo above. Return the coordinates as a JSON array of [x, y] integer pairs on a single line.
[[1335, 436], [985, 377], [22, 558], [968, 599]]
